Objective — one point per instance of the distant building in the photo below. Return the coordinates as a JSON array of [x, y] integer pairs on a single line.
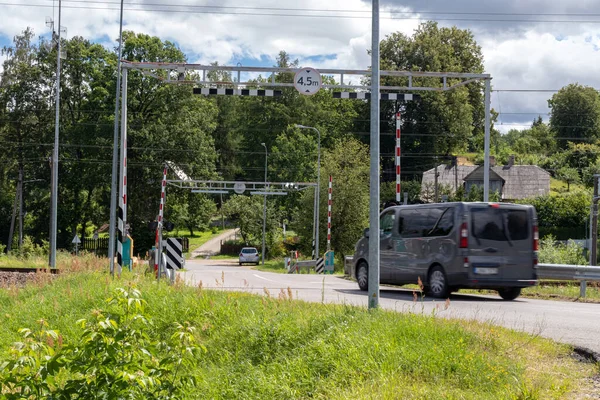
[[513, 182]]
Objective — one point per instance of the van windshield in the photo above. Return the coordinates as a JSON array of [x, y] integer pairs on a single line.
[[504, 225]]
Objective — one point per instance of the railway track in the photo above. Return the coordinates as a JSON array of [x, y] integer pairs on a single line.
[[29, 270]]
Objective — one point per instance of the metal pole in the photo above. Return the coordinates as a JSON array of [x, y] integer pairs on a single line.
[[159, 225], [115, 159], [11, 231], [122, 224], [20, 207], [318, 192], [374, 169], [594, 233], [435, 184], [486, 146], [264, 207], [329, 214], [398, 155], [54, 191]]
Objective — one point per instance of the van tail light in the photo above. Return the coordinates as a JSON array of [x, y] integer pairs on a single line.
[[466, 262], [536, 238], [241, 254], [464, 236]]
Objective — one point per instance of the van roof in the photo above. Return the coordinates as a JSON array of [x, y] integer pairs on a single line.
[[457, 203]]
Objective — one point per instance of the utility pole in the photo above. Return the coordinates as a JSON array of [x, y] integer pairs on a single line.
[[54, 195], [264, 206], [593, 234], [11, 231], [373, 273], [113, 183], [20, 206], [435, 183], [317, 202]]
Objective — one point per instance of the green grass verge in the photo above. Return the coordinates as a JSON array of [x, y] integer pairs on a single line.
[[272, 347], [565, 291], [558, 187]]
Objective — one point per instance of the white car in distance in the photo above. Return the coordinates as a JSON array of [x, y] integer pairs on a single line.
[[249, 255]]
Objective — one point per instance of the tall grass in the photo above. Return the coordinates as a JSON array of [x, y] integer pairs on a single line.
[[274, 347]]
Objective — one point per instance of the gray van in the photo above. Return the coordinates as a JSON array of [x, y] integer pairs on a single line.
[[450, 246]]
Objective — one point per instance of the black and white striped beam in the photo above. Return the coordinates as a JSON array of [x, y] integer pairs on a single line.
[[238, 92], [382, 96]]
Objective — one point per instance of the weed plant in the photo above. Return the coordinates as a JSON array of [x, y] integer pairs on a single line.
[[274, 347]]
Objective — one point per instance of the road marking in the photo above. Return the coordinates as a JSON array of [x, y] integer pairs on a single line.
[[260, 277]]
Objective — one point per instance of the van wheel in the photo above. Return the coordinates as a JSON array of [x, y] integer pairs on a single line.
[[438, 286], [509, 293], [362, 276]]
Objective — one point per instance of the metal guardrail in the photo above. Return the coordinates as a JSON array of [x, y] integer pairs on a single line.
[[568, 272], [565, 272], [297, 266]]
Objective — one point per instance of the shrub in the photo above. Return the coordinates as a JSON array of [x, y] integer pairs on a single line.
[[552, 252], [115, 358]]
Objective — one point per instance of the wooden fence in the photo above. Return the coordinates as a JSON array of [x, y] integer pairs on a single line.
[[100, 246]]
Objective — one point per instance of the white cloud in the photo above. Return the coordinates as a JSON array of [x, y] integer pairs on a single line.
[[518, 54], [538, 61]]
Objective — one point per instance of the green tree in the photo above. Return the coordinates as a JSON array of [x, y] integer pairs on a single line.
[[442, 122], [575, 113], [190, 210], [348, 164], [247, 213], [25, 126], [569, 175]]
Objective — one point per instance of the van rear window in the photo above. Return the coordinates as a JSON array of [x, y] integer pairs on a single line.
[[499, 224]]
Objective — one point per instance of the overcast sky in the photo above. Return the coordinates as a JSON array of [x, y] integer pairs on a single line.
[[527, 44]]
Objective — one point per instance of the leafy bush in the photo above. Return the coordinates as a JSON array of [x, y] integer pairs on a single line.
[[552, 252], [115, 358], [565, 210], [30, 249]]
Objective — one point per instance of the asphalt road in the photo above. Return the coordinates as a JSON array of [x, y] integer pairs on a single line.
[[568, 322]]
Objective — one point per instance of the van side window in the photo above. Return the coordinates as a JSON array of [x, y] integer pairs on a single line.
[[386, 223], [443, 221], [415, 223]]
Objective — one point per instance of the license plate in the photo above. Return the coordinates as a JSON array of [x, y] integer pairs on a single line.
[[486, 271]]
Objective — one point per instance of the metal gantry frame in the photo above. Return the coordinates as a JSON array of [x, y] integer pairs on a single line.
[[241, 187], [198, 74]]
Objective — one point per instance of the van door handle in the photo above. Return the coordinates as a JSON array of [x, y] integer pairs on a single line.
[[491, 250]]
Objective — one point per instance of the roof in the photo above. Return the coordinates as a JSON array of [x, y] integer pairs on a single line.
[[520, 181], [477, 175], [446, 175], [524, 181]]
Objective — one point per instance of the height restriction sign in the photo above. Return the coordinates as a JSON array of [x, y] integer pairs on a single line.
[[307, 81]]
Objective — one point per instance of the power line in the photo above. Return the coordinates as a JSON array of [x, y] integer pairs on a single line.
[[365, 11], [263, 14]]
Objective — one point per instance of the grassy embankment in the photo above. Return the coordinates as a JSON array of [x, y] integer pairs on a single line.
[[271, 346]]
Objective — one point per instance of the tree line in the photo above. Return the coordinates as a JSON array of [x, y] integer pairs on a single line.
[[219, 137]]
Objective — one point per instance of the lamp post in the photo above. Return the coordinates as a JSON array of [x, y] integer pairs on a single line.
[[264, 206], [317, 203]]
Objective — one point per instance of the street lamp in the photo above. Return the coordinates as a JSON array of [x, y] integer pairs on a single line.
[[264, 206], [317, 203]]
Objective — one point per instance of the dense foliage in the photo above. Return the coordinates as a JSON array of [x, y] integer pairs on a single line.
[[221, 137]]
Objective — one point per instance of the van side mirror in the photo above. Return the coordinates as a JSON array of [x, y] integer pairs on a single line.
[[366, 232]]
